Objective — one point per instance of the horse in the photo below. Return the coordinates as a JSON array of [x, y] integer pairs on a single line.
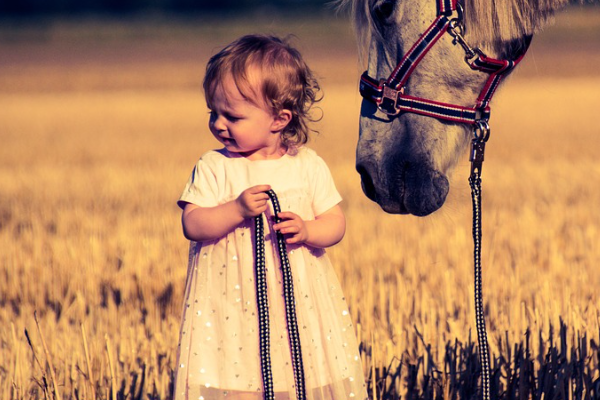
[[405, 158]]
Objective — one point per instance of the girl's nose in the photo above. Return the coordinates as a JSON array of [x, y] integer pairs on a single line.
[[218, 123]]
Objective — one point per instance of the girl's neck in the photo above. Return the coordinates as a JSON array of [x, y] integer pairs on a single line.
[[263, 154]]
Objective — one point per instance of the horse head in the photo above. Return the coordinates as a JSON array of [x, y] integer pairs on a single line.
[[405, 160]]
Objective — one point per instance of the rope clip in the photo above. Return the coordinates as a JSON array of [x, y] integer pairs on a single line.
[[481, 134]]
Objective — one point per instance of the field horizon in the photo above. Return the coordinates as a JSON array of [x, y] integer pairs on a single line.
[[101, 122]]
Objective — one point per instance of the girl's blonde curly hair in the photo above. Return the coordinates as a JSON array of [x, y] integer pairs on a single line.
[[285, 82]]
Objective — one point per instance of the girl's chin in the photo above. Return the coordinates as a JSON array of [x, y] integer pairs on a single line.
[[228, 143], [232, 148]]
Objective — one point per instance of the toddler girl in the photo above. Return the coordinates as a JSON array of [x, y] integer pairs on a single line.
[[259, 92]]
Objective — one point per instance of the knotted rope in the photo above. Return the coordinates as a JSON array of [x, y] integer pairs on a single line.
[[263, 307]]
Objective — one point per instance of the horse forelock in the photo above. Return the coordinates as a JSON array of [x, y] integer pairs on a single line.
[[506, 20], [490, 23]]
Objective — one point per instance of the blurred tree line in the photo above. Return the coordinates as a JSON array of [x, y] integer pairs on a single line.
[[29, 7]]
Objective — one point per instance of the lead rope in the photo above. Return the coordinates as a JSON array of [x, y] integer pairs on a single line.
[[263, 307], [481, 134]]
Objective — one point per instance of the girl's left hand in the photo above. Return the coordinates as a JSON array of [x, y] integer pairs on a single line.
[[293, 226]]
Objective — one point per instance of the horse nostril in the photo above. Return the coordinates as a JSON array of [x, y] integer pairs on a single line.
[[366, 182]]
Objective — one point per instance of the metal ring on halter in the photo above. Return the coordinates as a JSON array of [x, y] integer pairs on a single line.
[[455, 27], [460, 15], [481, 130]]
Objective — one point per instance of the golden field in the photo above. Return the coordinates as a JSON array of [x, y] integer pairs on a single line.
[[101, 123]]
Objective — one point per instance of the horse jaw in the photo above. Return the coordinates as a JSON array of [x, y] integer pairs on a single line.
[[404, 161]]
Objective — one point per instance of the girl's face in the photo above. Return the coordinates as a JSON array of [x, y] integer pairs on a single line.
[[244, 128]]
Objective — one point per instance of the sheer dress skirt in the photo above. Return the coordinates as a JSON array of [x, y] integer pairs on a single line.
[[218, 355]]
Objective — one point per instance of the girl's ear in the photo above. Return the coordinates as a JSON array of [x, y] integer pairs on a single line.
[[281, 120]]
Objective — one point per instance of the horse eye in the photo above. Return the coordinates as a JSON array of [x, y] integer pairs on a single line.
[[383, 10]]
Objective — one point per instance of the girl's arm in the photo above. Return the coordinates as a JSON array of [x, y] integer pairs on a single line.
[[209, 223], [325, 230]]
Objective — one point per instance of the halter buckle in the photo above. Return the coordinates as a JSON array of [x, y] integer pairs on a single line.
[[389, 100]]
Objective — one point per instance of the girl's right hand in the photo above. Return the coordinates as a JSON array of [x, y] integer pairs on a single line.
[[253, 201]]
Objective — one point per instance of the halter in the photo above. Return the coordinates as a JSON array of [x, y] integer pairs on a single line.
[[389, 94], [390, 98]]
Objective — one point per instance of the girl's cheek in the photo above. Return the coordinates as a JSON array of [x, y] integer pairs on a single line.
[[212, 130]]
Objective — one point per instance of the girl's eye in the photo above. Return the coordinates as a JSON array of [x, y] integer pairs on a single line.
[[229, 117], [232, 118]]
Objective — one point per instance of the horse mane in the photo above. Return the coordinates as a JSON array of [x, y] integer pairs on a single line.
[[489, 23]]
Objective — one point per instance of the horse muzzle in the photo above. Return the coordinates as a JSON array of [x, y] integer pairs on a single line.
[[404, 187]]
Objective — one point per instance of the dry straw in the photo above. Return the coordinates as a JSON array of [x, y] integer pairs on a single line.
[[48, 359], [90, 376]]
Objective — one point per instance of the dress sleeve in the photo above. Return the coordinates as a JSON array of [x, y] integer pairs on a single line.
[[201, 188], [325, 194]]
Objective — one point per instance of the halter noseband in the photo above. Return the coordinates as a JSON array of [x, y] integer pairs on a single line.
[[389, 94]]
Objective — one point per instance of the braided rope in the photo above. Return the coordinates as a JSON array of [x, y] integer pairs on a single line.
[[484, 357], [263, 310], [263, 307]]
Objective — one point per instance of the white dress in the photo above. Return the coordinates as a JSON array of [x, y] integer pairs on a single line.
[[218, 355]]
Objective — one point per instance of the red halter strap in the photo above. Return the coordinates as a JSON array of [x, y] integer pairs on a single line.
[[389, 94]]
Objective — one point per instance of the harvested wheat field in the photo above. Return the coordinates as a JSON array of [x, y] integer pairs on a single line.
[[101, 122]]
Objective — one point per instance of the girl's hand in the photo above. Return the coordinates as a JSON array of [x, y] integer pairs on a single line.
[[253, 201], [293, 226]]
